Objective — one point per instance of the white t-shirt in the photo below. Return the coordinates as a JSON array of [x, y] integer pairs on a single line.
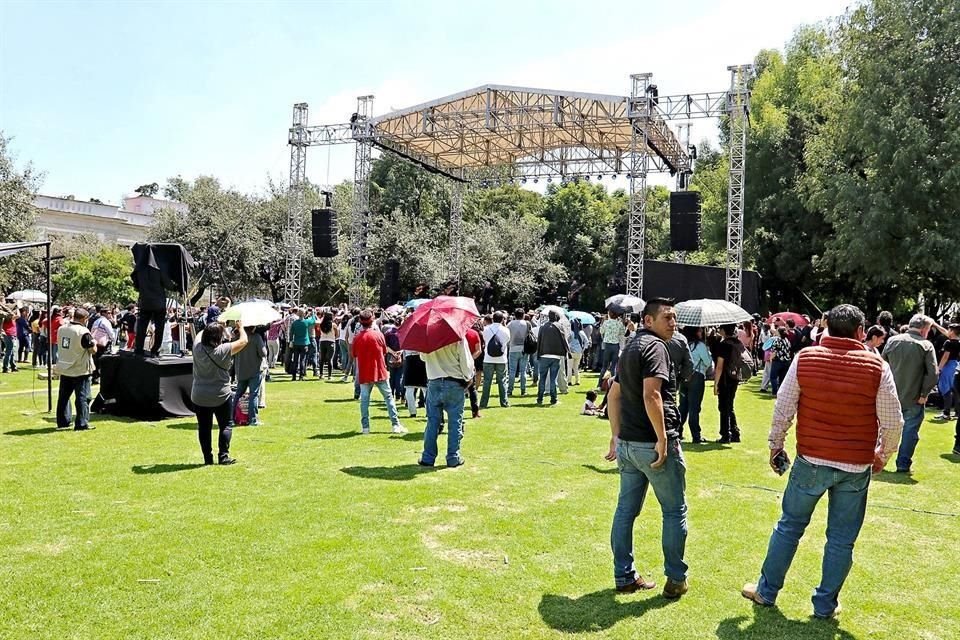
[[504, 335]]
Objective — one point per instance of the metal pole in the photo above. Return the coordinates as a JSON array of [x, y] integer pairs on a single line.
[[639, 112], [49, 336], [455, 249], [361, 197], [738, 106], [293, 233]]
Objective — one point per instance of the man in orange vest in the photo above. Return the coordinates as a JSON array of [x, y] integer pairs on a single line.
[[848, 424]]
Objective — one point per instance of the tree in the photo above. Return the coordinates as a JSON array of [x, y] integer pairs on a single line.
[[102, 276], [17, 215], [884, 169], [148, 190]]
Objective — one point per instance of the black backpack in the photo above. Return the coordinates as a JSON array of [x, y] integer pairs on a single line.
[[529, 342], [494, 346]]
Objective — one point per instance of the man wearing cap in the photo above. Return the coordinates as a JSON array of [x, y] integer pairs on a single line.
[[75, 366], [369, 349]]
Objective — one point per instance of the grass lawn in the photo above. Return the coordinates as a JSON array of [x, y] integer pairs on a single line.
[[320, 532]]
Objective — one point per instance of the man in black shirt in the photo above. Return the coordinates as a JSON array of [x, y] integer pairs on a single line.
[[645, 424]]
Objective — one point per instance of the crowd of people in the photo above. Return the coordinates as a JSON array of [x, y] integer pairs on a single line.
[[856, 394]]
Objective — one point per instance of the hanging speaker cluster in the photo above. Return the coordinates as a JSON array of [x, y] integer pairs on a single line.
[[685, 221], [390, 285], [323, 226]]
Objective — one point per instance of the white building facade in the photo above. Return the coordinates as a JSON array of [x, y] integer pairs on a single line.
[[123, 225]]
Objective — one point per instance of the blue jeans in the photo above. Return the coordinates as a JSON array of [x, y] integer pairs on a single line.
[[312, 355], [9, 355], [489, 370], [79, 385], [253, 385], [912, 419], [443, 395], [534, 367], [549, 370], [609, 358], [778, 371], [691, 400], [845, 512], [384, 387], [517, 363], [669, 483]]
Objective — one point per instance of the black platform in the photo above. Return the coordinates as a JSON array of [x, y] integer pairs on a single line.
[[146, 387]]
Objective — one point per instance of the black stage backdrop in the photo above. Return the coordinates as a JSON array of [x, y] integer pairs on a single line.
[[146, 387], [693, 281]]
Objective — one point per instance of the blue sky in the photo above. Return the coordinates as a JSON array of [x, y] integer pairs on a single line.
[[105, 96]]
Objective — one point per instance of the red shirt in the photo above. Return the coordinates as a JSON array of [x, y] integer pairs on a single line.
[[55, 328], [10, 327], [369, 348], [473, 340]]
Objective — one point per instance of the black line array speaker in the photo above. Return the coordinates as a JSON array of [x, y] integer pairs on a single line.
[[685, 221], [324, 230], [390, 285]]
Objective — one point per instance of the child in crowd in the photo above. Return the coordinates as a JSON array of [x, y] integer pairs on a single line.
[[590, 405]]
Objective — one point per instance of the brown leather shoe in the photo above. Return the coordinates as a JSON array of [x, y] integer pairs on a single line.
[[749, 592], [637, 585], [673, 589]]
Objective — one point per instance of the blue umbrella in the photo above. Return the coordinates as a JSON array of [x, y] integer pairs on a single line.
[[413, 304], [582, 316]]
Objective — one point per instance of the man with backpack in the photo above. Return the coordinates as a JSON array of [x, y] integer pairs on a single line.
[[733, 365], [552, 352], [521, 333], [496, 337]]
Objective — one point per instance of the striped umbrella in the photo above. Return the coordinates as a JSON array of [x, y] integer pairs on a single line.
[[709, 313]]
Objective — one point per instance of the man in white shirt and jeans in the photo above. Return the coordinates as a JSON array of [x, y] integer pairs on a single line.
[[496, 340]]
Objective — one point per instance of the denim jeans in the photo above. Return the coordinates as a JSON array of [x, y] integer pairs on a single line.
[[534, 367], [10, 352], [669, 483], [443, 395], [609, 358], [224, 414], [253, 385], [79, 385], [312, 355], [298, 361], [489, 370], [345, 364], [517, 363], [912, 419], [845, 512], [384, 387], [691, 400], [549, 370], [778, 371]]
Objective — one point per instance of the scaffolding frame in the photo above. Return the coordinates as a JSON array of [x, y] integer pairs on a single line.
[[497, 133]]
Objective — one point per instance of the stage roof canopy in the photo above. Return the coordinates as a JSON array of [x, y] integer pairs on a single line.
[[526, 132]]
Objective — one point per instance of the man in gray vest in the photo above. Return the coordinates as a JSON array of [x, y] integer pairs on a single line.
[[75, 366]]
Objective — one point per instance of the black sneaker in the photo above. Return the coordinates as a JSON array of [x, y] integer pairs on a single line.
[[227, 460]]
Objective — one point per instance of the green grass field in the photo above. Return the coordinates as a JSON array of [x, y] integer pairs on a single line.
[[320, 532]]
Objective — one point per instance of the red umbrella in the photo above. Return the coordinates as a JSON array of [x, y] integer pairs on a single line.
[[783, 316], [437, 323]]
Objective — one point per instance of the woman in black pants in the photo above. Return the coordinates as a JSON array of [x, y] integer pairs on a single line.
[[211, 392]]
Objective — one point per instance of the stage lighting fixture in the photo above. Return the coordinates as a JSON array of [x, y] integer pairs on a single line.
[[549, 180], [587, 178], [523, 181], [536, 180], [600, 177]]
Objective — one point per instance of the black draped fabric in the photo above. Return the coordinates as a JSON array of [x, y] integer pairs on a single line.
[[158, 268], [145, 387]]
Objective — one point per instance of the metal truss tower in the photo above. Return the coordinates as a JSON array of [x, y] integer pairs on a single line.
[[739, 112], [360, 224], [455, 250], [639, 112], [293, 235]]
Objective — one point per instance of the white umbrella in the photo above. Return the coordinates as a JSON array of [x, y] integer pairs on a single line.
[[28, 295], [709, 313], [251, 314], [623, 303]]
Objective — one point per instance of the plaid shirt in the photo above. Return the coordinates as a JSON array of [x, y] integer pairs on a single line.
[[888, 413]]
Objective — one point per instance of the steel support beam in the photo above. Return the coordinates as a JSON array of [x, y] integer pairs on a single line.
[[293, 232], [360, 222], [739, 121], [455, 249], [639, 110]]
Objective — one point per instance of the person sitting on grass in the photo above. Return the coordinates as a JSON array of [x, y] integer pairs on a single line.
[[590, 407]]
